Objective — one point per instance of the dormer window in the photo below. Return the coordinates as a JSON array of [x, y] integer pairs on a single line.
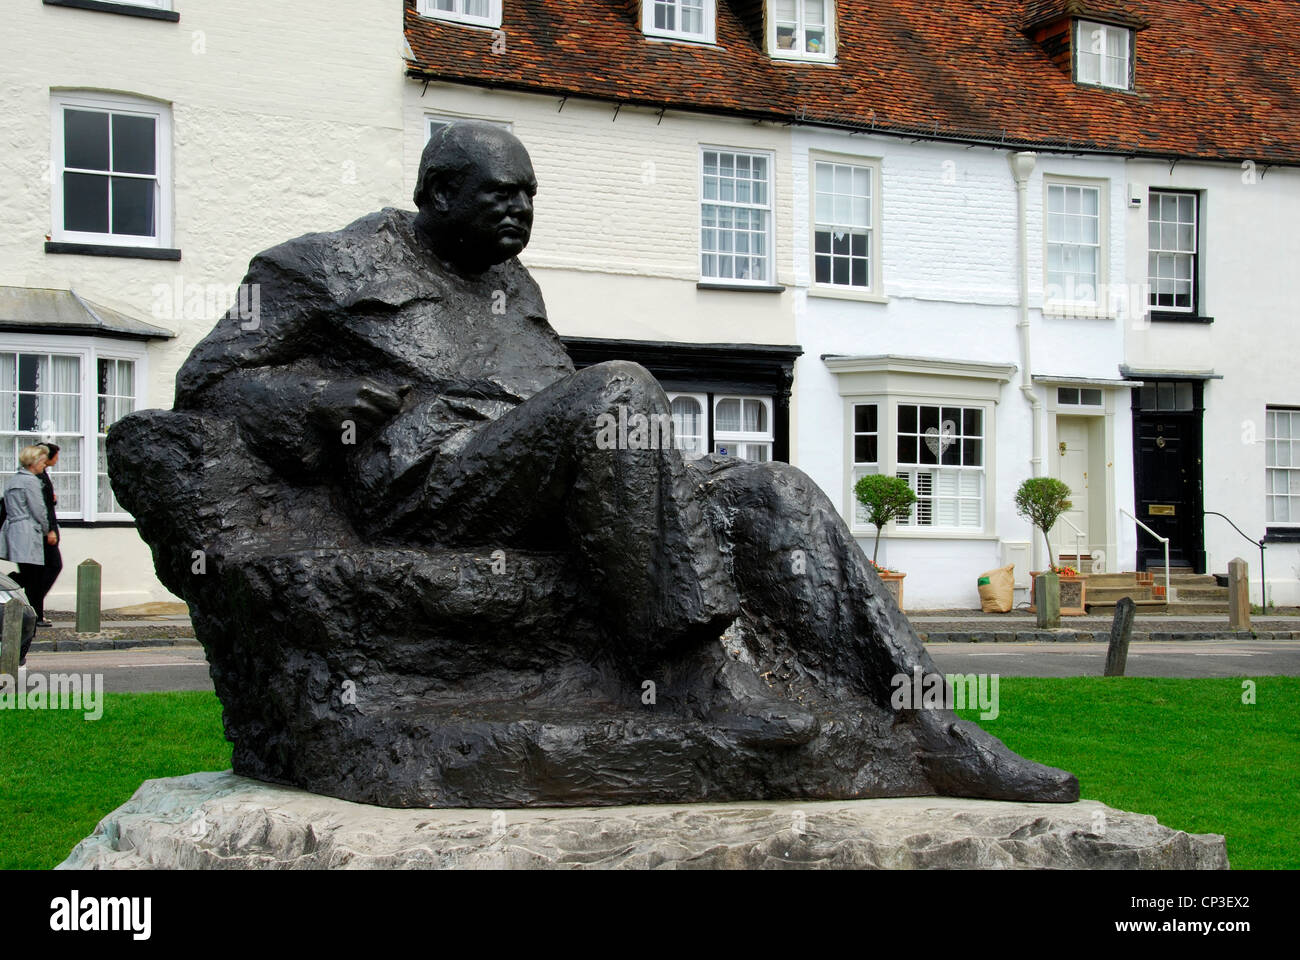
[[1103, 54], [679, 19], [801, 29], [479, 13]]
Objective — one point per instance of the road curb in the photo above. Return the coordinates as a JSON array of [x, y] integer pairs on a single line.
[[108, 643], [1098, 636]]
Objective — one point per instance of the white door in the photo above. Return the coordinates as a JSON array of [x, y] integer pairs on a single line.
[[1072, 445]]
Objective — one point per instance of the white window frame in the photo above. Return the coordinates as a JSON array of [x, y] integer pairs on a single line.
[[744, 439], [861, 468], [426, 8], [703, 400], [1160, 251], [1089, 30], [101, 103], [1275, 469], [89, 350], [1065, 304], [768, 209], [914, 470], [797, 52], [874, 289], [709, 22]]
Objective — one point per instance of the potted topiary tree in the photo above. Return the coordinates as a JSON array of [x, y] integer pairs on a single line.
[[1041, 501], [886, 499]]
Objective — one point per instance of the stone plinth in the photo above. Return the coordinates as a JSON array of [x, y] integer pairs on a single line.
[[223, 821]]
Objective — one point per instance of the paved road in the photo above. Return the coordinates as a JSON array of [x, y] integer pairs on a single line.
[[183, 668], [1235, 658], [142, 670]]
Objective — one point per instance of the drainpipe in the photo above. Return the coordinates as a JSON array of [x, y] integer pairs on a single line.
[[1022, 166]]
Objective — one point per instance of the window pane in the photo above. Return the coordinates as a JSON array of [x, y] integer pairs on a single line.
[[85, 202], [865, 449], [133, 212], [865, 418], [85, 139], [133, 144], [726, 416]]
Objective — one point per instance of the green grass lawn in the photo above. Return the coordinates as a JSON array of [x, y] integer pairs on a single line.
[[59, 773], [1187, 751]]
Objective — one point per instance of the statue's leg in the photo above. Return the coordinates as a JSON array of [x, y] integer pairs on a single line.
[[573, 463], [803, 579]]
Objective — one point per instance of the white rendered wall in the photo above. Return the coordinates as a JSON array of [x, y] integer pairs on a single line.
[[286, 118], [1250, 247], [949, 275], [616, 233]]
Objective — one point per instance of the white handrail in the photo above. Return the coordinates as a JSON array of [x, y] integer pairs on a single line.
[[1078, 543], [1164, 540]]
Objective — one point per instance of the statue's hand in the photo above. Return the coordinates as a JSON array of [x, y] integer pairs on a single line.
[[362, 400]]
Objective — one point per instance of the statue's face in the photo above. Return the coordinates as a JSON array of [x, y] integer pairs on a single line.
[[492, 213]]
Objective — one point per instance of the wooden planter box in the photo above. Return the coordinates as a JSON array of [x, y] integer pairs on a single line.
[[1074, 592], [894, 584]]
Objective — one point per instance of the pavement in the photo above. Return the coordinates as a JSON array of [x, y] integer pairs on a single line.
[[1200, 658], [960, 626], [149, 669]]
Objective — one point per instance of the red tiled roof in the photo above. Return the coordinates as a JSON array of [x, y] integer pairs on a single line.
[[1214, 79]]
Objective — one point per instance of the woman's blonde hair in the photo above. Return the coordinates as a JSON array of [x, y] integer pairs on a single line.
[[29, 455]]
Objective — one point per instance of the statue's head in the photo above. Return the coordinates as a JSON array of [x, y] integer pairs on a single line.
[[475, 194]]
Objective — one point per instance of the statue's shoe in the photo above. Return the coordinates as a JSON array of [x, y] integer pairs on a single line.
[[766, 723], [962, 760]]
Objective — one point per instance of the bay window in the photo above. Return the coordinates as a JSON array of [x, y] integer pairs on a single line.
[[931, 423], [69, 391]]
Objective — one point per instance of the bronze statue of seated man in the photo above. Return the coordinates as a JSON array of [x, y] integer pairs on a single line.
[[423, 577]]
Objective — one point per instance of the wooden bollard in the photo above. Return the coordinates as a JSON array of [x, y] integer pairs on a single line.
[[11, 641], [1121, 629], [1238, 594], [88, 583]]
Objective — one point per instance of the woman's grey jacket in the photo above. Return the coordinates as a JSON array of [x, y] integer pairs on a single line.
[[22, 539]]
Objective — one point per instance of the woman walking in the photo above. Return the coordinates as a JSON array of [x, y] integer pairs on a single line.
[[22, 538], [53, 557]]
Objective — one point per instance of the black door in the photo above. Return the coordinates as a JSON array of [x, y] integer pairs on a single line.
[[1167, 472]]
